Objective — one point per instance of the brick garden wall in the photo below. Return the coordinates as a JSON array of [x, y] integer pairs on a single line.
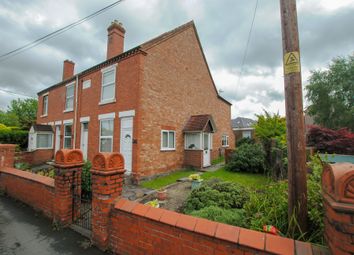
[[32, 189], [37, 157], [140, 229]]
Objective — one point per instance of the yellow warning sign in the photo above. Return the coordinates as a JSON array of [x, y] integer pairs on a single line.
[[292, 62]]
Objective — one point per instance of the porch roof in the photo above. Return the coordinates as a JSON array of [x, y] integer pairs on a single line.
[[200, 123], [42, 128]]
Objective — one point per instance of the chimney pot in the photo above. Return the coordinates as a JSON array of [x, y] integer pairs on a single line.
[[68, 69], [115, 42]]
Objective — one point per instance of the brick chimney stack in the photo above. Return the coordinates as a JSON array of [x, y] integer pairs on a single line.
[[115, 43], [68, 69]]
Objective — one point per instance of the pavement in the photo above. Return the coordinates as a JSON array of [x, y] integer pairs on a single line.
[[25, 232]]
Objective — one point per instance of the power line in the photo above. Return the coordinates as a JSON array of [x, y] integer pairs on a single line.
[[42, 39], [15, 93], [248, 42]]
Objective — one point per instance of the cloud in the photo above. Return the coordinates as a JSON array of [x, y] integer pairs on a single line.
[[223, 28]]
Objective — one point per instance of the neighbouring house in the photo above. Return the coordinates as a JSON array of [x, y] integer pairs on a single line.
[[243, 128], [156, 104]]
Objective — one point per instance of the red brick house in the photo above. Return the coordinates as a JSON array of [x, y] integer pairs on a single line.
[[156, 104]]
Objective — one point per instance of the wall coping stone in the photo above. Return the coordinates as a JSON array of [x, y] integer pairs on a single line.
[[29, 176]]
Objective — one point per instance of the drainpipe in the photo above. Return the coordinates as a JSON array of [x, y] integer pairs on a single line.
[[75, 111]]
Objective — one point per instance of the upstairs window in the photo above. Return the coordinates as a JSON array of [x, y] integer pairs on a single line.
[[225, 141], [108, 84], [106, 135], [168, 140], [45, 106], [69, 98], [67, 136]]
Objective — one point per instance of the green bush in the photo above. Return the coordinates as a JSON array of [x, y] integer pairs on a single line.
[[226, 195], [245, 140], [315, 201], [4, 127], [247, 158], [228, 216], [19, 137], [86, 179], [270, 207]]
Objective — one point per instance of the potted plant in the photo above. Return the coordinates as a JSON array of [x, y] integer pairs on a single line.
[[153, 203], [196, 181], [162, 194]]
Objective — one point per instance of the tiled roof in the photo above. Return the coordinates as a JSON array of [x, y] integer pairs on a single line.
[[241, 122], [141, 48], [42, 128], [200, 123]]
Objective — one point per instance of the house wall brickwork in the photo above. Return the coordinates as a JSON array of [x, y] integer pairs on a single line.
[[193, 158], [178, 83], [164, 85]]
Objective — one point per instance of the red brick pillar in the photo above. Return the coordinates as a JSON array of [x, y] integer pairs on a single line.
[[107, 182], [67, 184], [7, 155], [338, 194], [228, 153]]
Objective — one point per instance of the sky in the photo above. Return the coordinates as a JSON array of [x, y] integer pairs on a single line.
[[325, 28]]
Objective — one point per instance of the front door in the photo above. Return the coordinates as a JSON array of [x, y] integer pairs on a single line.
[[84, 139], [126, 142], [57, 138], [206, 149]]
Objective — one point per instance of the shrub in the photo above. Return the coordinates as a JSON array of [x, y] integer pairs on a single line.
[[86, 179], [19, 137], [332, 141], [245, 140], [270, 126], [270, 207], [4, 127], [22, 166], [228, 216], [247, 158], [315, 201], [226, 195]]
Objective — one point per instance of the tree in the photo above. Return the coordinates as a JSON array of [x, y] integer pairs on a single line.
[[331, 94], [25, 110], [8, 119]]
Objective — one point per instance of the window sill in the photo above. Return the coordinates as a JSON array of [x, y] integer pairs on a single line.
[[44, 115], [225, 146], [44, 148], [68, 110], [110, 101], [168, 150]]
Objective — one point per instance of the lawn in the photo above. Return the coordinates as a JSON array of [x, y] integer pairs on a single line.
[[256, 181], [167, 180]]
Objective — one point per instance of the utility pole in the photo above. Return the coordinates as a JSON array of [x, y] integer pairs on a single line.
[[297, 196]]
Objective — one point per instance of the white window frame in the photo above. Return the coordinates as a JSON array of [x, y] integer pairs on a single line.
[[106, 136], [45, 109], [44, 133], [71, 97], [226, 139], [86, 84], [66, 137], [248, 132], [168, 140], [103, 71]]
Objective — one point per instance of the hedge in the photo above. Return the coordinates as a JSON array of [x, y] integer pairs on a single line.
[[19, 137]]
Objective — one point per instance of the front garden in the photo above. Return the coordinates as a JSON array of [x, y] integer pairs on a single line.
[[251, 191]]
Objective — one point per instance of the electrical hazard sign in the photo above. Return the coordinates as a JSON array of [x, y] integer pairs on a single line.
[[292, 62]]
